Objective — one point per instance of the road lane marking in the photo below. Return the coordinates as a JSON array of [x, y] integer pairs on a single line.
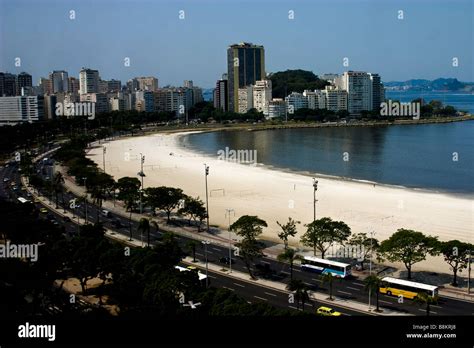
[[242, 286], [296, 270], [269, 293], [261, 298], [225, 287], [386, 302], [265, 262], [317, 280], [357, 284], [431, 312], [344, 292], [285, 272], [352, 288], [293, 307], [216, 249], [211, 276]]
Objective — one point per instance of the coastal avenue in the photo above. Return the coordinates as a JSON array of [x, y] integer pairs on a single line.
[[350, 289]]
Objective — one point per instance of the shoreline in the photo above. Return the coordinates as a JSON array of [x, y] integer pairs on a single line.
[[274, 195]]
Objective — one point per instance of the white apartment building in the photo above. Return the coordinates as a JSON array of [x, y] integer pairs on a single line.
[[262, 94], [245, 99], [276, 108], [88, 81], [19, 109], [295, 101], [335, 98], [100, 100], [149, 83], [358, 85], [59, 81]]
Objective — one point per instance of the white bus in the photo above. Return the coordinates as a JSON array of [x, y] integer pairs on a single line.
[[406, 288], [322, 266]]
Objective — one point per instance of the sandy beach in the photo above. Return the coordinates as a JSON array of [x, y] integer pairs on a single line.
[[275, 195]]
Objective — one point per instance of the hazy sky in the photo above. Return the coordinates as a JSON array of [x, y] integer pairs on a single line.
[[159, 43]]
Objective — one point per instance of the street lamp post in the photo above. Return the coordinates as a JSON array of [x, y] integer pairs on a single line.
[[228, 213], [315, 188], [85, 200], [142, 175], [206, 173], [205, 243], [469, 273], [372, 233]]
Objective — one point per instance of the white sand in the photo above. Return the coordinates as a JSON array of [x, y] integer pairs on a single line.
[[275, 195]]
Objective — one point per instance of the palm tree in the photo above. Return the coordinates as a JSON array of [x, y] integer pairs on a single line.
[[300, 291], [58, 180], [372, 284], [328, 278], [144, 227], [289, 255], [192, 244], [155, 226], [424, 299]]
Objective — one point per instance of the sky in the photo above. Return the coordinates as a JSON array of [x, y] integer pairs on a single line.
[[370, 33]]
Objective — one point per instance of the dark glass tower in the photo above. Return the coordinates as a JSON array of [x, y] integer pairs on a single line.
[[245, 65]]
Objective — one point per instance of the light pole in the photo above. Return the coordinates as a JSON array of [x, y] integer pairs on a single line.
[[104, 150], [142, 175], [372, 233], [85, 199], [315, 188], [205, 243], [206, 173], [228, 212]]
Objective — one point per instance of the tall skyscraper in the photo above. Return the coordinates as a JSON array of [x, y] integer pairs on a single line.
[[359, 91], [377, 91], [73, 85], [88, 81], [245, 66], [59, 81], [21, 109], [24, 80], [8, 85], [147, 83], [221, 94]]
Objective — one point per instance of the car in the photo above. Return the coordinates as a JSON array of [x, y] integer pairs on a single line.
[[6, 179], [226, 260], [15, 188], [326, 311], [191, 268], [43, 210], [106, 213], [117, 223]]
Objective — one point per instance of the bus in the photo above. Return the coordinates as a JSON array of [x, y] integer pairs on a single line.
[[202, 276], [406, 288], [314, 264]]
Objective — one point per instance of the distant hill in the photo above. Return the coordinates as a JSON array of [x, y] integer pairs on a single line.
[[441, 84], [294, 81]]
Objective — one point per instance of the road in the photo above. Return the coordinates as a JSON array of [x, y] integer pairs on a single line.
[[350, 289]]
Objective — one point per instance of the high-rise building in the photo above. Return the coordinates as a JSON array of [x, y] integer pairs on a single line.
[[114, 85], [262, 94], [50, 106], [295, 101], [147, 83], [377, 89], [335, 98], [359, 91], [73, 85], [100, 100], [245, 66], [178, 100], [188, 84], [24, 81], [17, 109], [8, 85], [145, 101], [103, 86], [276, 108], [88, 81], [221, 95], [60, 81], [46, 86], [245, 99]]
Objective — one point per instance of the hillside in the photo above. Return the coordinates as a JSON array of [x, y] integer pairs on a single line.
[[294, 81]]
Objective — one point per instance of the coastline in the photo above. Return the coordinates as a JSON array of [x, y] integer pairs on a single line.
[[274, 194]]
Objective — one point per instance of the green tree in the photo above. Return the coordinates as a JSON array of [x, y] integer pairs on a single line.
[[408, 247], [249, 228], [424, 299], [300, 291], [191, 245], [164, 198], [129, 193], [328, 278], [322, 233], [144, 227], [58, 181], [367, 245], [372, 284], [288, 230], [456, 254], [194, 209], [289, 255]]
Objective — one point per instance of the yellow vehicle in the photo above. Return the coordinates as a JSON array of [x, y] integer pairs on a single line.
[[192, 268], [43, 210], [328, 312], [405, 288], [36, 200]]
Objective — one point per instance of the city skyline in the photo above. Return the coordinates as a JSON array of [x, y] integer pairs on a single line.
[[398, 56]]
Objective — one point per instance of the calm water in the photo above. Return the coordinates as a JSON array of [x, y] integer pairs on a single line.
[[418, 156], [461, 101]]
